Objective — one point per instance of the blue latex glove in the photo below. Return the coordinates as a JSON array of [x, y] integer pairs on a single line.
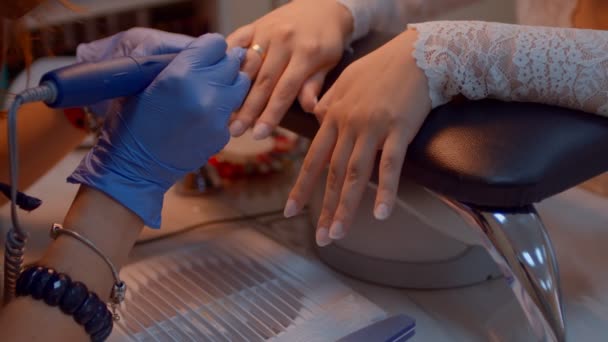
[[168, 130], [134, 42]]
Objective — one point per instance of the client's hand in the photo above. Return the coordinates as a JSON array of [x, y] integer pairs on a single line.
[[379, 102], [299, 43], [170, 129], [134, 42]]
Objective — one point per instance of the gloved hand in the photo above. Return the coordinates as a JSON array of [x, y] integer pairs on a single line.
[[134, 42], [168, 130]]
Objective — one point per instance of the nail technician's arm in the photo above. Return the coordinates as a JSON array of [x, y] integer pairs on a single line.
[[151, 141], [303, 40], [381, 101], [114, 229], [45, 137]]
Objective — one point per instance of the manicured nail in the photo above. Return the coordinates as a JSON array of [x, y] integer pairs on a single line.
[[316, 101], [322, 237], [291, 209], [381, 212], [336, 231], [237, 128], [261, 131]]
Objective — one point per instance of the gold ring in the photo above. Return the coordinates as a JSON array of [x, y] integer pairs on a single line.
[[259, 49]]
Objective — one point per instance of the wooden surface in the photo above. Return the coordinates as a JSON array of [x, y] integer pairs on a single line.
[[597, 185]]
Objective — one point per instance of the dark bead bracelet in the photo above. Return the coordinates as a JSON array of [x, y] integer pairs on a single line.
[[73, 298]]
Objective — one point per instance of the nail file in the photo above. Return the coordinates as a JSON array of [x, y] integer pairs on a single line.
[[397, 328]]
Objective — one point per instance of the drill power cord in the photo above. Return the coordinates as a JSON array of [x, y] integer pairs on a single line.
[[17, 237]]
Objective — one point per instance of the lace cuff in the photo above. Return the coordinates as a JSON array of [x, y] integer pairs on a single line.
[[556, 66]]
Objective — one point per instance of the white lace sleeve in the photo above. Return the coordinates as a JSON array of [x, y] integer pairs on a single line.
[[393, 15], [557, 66]]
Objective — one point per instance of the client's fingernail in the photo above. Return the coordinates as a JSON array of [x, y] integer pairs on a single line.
[[322, 237], [336, 231], [316, 100], [261, 131], [237, 128], [381, 212], [291, 209]]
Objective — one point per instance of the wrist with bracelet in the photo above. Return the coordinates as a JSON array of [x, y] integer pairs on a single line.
[[73, 297]]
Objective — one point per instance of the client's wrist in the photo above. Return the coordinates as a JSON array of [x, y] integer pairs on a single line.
[[354, 19], [346, 21]]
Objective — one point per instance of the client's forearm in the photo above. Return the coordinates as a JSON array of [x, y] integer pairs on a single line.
[[113, 229], [556, 66], [394, 15]]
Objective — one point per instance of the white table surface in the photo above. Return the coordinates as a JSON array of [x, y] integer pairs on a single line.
[[577, 222]]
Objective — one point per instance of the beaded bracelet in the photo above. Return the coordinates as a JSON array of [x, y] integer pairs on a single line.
[[119, 289], [73, 298]]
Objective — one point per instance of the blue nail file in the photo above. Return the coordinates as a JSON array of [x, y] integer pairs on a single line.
[[397, 328]]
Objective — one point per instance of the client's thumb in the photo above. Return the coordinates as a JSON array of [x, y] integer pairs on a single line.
[[309, 94]]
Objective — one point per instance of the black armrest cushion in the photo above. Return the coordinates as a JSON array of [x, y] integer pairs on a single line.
[[497, 154]]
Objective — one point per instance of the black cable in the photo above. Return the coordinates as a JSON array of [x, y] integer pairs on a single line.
[[204, 224], [283, 218]]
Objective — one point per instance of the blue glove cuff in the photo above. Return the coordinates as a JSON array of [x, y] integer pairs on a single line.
[[126, 172], [146, 201]]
